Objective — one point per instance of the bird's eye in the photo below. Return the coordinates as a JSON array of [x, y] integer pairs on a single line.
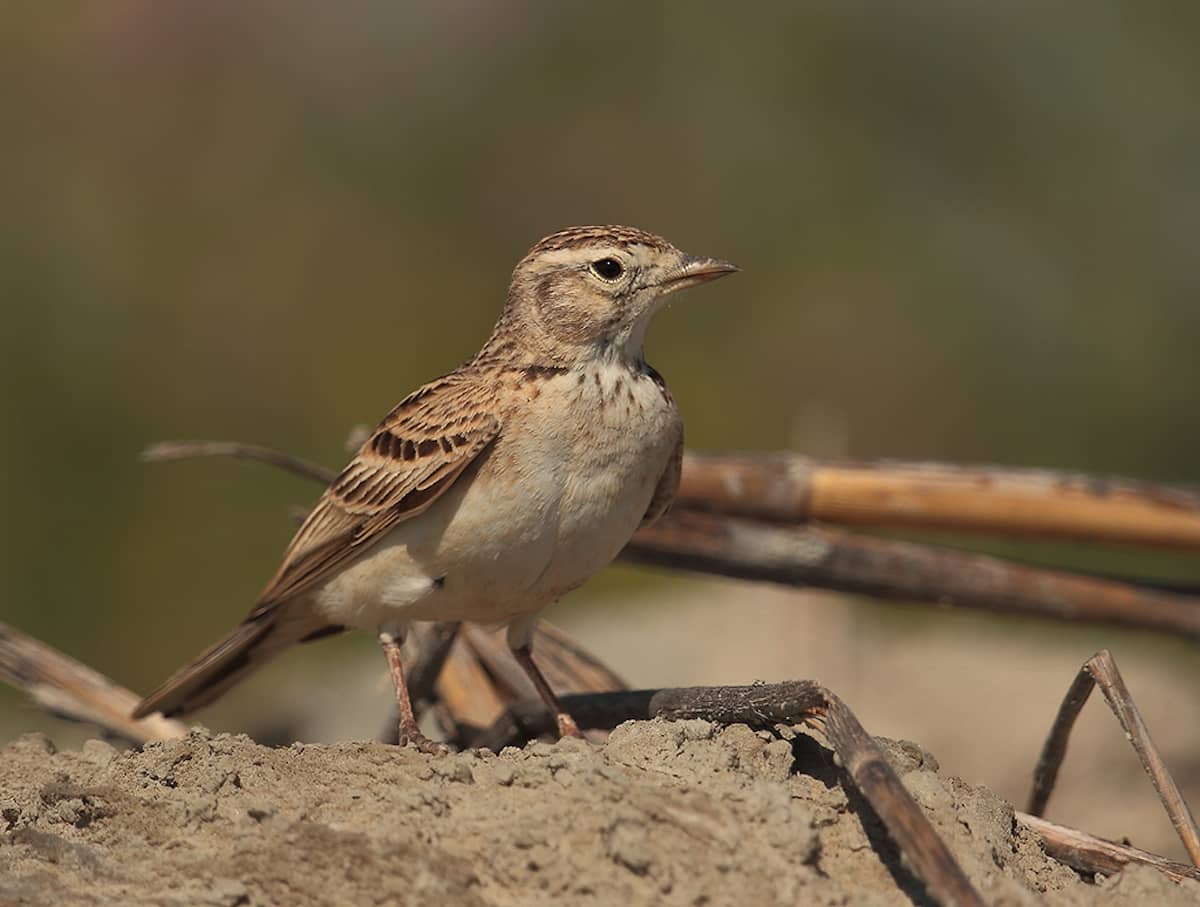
[[607, 268]]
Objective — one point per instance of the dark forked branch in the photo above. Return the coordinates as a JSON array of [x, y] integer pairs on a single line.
[[765, 706]]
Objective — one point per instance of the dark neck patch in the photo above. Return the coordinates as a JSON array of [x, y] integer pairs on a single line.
[[652, 373]]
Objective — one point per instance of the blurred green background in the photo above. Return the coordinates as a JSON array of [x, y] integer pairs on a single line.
[[967, 234]]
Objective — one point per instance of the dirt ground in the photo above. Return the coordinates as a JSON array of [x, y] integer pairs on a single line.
[[980, 692], [663, 813]]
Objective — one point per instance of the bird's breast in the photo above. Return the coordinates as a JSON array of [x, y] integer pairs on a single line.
[[596, 443], [554, 500]]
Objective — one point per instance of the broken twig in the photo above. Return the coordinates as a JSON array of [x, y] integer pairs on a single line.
[[166, 451], [1088, 853], [1101, 670], [65, 687]]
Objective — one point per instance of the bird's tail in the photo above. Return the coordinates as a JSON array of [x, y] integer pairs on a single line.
[[251, 645]]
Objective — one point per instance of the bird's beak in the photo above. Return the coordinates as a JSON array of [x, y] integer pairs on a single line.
[[695, 271]]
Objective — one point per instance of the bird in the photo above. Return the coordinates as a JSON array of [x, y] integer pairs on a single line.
[[492, 491]]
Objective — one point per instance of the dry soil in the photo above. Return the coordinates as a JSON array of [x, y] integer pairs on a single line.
[[663, 813]]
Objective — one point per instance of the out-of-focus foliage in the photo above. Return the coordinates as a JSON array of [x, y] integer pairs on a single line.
[[967, 233]]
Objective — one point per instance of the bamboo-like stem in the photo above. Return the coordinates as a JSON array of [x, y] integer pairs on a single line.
[[1035, 503]]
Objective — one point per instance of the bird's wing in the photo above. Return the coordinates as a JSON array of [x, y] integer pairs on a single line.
[[668, 484], [406, 464]]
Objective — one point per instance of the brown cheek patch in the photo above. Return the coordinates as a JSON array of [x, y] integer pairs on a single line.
[[569, 310]]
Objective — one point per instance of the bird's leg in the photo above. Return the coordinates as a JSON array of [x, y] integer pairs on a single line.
[[520, 642], [566, 724], [410, 734]]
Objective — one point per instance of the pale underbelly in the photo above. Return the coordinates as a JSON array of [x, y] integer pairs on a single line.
[[505, 542]]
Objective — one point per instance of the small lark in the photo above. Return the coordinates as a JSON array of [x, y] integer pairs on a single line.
[[493, 491]]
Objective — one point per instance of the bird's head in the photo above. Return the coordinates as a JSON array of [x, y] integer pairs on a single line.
[[591, 291]]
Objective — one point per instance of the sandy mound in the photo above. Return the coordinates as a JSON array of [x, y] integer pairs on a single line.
[[664, 813]]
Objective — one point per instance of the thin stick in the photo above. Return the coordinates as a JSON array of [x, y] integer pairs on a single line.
[[764, 706], [65, 687], [1011, 502], [1088, 853], [1054, 750], [904, 820], [1101, 670], [166, 451], [785, 488], [1103, 667], [885, 568]]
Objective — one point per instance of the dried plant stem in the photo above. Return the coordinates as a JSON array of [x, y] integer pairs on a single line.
[[888, 569], [1101, 670], [65, 687], [166, 451], [1088, 853], [1035, 503]]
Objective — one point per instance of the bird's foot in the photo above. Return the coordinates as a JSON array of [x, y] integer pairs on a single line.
[[423, 744], [567, 726]]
